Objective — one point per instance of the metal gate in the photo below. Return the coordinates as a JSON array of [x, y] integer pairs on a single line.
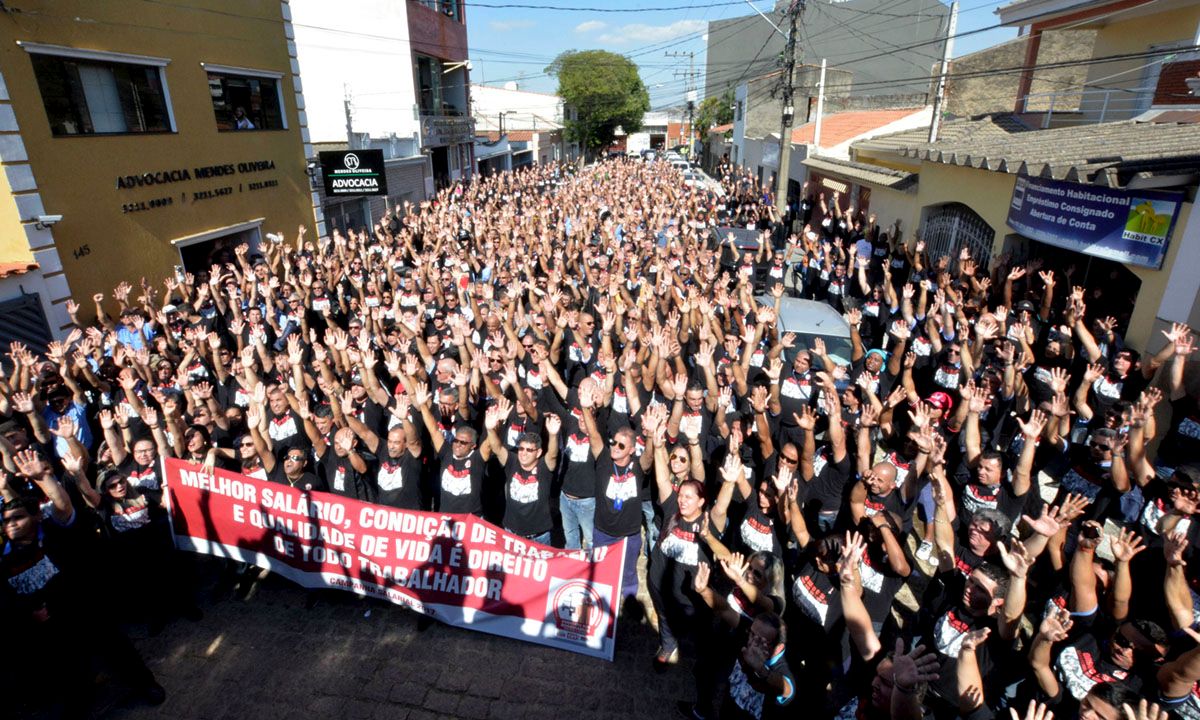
[[950, 227], [24, 322]]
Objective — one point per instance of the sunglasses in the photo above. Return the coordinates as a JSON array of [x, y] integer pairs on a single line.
[[296, 458], [789, 460], [527, 449], [618, 444], [461, 442]]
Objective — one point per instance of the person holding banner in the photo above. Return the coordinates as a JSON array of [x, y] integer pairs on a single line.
[[527, 474]]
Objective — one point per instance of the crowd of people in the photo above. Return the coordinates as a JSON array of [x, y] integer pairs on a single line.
[[950, 522]]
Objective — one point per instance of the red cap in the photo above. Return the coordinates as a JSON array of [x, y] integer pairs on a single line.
[[940, 400]]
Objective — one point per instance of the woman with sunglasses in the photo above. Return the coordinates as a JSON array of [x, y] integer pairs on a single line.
[[676, 555], [142, 551]]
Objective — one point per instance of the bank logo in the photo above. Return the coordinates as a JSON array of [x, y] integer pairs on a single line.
[[1149, 221], [351, 161]]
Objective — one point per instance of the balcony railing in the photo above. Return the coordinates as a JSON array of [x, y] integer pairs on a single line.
[[1087, 106]]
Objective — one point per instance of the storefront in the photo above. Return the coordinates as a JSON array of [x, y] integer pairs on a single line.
[[131, 149]]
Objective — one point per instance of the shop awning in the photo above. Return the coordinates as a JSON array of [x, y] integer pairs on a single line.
[[862, 172]]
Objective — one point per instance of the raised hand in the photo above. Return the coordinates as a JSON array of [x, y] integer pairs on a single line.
[[917, 666], [1056, 625], [1125, 545], [1015, 558], [1174, 546], [553, 423], [735, 566]]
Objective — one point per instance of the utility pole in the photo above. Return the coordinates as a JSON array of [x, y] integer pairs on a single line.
[[349, 114], [820, 109], [947, 49], [689, 93], [789, 112]]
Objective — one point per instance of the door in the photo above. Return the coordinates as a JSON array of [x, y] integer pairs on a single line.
[[949, 228]]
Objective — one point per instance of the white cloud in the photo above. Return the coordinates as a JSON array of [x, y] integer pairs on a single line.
[[507, 25], [589, 26], [639, 33]]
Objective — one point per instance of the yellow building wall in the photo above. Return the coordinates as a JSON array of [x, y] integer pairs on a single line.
[[890, 205], [14, 248], [987, 193], [1124, 34], [99, 242]]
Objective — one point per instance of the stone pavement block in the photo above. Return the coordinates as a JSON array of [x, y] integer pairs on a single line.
[[454, 680], [441, 702], [473, 708], [501, 710], [408, 693], [487, 686]]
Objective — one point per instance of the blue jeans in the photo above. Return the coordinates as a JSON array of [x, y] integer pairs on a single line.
[[629, 579], [578, 516], [543, 539]]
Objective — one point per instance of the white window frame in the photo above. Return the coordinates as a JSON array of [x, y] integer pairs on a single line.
[[255, 225], [34, 48], [253, 72]]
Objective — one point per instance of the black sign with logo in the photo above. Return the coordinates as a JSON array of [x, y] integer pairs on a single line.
[[353, 172]]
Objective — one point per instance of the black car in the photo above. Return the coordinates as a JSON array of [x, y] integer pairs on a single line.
[[746, 241]]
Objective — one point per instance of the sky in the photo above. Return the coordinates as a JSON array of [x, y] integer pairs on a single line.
[[517, 43]]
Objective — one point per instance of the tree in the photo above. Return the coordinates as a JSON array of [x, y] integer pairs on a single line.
[[606, 92], [714, 111]]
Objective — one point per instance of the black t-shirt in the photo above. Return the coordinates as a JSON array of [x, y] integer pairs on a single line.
[[50, 573], [618, 501], [1082, 661], [397, 480], [757, 531], [306, 481], [941, 627], [461, 482], [679, 543], [344, 480], [526, 498]]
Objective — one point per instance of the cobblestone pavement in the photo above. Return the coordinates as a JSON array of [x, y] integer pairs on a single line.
[[270, 657]]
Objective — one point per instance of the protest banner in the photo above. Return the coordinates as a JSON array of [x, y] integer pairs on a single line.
[[455, 568]]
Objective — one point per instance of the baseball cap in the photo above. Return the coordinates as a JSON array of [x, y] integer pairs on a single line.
[[940, 400]]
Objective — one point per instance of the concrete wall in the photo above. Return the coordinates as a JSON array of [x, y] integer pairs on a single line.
[[969, 96], [1133, 35], [848, 34]]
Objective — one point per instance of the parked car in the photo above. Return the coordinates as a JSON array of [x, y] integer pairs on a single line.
[[746, 241], [811, 319]]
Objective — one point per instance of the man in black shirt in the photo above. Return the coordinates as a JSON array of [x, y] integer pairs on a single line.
[[527, 475], [619, 477]]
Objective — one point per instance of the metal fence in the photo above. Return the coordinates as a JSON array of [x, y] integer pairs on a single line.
[[948, 228]]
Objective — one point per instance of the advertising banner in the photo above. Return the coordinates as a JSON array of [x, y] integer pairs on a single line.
[[455, 568], [353, 172], [1128, 226]]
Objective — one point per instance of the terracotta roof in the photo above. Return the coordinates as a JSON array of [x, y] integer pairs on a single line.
[[874, 174], [840, 127], [512, 135], [16, 268], [1107, 154], [721, 129]]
